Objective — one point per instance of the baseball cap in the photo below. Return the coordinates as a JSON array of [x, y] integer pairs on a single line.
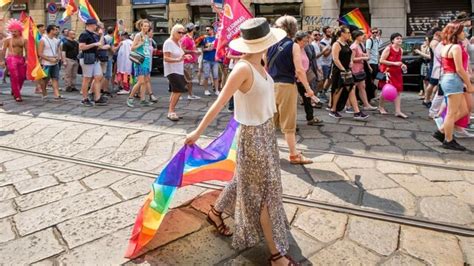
[[91, 21], [190, 26]]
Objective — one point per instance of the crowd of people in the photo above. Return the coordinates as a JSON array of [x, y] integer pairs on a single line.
[[341, 67]]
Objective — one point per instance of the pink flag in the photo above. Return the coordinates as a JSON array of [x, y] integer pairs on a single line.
[[234, 13]]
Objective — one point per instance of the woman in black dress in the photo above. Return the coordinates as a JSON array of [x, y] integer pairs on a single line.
[[341, 91]]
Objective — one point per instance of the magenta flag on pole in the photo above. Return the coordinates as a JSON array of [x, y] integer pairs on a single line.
[[233, 14]]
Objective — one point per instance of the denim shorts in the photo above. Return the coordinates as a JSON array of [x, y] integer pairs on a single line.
[[208, 66], [452, 84], [326, 71], [52, 72]]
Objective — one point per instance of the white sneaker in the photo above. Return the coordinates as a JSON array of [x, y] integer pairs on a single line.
[[193, 97], [217, 92], [153, 99], [462, 133], [123, 92], [207, 93]]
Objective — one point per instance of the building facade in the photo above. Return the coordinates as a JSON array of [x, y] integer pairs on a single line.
[[404, 16]]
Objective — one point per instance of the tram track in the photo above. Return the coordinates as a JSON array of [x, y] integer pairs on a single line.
[[284, 148], [351, 210]]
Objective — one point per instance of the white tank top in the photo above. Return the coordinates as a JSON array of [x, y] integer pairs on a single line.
[[257, 105], [51, 48]]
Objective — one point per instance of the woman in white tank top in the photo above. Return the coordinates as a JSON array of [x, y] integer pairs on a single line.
[[256, 185]]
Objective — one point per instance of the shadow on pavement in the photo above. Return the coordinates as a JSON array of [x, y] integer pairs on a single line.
[[7, 132]]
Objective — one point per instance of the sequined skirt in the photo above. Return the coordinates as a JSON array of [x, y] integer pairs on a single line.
[[256, 184]]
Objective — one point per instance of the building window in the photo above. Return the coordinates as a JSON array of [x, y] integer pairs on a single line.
[[203, 16], [273, 11], [157, 17]]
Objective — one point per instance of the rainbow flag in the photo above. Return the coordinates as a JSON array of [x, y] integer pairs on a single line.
[[34, 71], [71, 9], [86, 11], [356, 18], [189, 166], [116, 39], [5, 2]]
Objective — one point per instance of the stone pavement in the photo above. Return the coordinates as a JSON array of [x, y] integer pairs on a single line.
[[71, 212]]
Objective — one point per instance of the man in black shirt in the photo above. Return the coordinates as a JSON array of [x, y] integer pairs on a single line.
[[70, 61], [89, 42]]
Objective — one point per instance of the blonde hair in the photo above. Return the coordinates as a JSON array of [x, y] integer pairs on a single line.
[[288, 24], [176, 28], [140, 23]]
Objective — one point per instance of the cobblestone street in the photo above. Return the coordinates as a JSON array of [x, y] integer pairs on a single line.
[[72, 180]]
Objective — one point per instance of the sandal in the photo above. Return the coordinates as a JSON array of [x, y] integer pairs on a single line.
[[18, 99], [382, 111], [299, 159], [278, 256], [222, 228], [173, 117], [404, 116], [315, 122]]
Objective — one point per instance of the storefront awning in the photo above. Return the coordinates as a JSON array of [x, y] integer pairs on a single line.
[[200, 2], [275, 1]]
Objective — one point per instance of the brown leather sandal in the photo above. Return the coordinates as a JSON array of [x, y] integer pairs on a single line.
[[278, 256], [299, 159], [222, 228]]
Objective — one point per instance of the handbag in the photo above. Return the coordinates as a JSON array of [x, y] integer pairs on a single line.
[[381, 76], [89, 58], [136, 57], [347, 78], [360, 76], [310, 75]]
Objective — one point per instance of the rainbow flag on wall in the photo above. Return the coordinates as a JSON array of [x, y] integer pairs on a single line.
[[189, 166], [71, 9], [86, 11], [356, 18], [34, 71]]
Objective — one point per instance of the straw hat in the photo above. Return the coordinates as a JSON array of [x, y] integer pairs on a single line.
[[256, 36]]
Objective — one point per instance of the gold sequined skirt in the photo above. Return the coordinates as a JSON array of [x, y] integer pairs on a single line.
[[256, 184]]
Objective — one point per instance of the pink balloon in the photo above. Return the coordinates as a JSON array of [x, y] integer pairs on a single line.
[[389, 92]]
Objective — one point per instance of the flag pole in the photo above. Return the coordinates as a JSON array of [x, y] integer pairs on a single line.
[[8, 9]]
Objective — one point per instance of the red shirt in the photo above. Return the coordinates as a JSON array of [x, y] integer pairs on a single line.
[[187, 43]]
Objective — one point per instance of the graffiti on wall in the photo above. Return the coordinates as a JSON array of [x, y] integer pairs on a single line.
[[182, 21], [318, 22], [420, 24]]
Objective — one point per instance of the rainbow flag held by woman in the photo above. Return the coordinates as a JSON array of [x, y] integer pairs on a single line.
[[71, 9], [356, 18], [86, 11], [189, 166]]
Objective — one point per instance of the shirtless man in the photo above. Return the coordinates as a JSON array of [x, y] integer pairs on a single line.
[[15, 49]]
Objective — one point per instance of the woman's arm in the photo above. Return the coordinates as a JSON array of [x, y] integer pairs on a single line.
[[457, 57], [137, 42], [169, 59], [300, 72], [237, 78], [336, 49]]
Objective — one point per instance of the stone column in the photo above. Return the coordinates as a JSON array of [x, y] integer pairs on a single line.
[[389, 16], [125, 12], [312, 13], [178, 13]]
